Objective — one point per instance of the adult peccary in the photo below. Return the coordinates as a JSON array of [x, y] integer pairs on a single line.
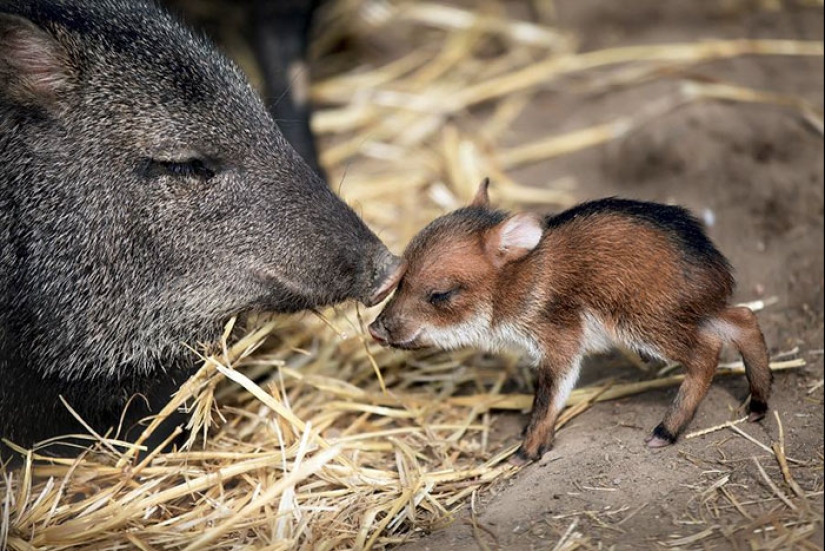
[[281, 36], [145, 197]]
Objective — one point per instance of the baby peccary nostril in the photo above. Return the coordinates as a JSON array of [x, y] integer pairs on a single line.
[[378, 331]]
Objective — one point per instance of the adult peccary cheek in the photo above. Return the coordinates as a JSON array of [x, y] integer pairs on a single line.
[[146, 196]]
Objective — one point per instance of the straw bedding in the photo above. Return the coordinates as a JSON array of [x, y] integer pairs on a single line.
[[306, 435]]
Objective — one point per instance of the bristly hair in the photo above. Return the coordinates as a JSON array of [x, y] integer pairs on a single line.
[[677, 222], [467, 221]]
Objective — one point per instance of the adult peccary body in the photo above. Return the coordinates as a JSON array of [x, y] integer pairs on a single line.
[[146, 196], [281, 32]]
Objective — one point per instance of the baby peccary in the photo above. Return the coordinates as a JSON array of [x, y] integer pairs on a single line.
[[612, 271]]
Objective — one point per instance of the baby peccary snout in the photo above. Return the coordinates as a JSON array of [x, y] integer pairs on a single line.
[[609, 272], [378, 331]]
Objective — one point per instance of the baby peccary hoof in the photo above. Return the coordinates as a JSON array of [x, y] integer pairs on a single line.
[[757, 410], [660, 438], [522, 457]]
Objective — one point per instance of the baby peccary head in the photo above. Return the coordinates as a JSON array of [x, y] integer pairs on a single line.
[[453, 279], [640, 275]]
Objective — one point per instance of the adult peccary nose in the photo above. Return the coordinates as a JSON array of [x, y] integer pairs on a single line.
[[389, 269]]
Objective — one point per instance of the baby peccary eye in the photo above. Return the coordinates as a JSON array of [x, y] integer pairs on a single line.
[[187, 168], [441, 297]]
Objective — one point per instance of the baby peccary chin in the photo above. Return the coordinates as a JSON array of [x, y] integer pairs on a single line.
[[608, 272]]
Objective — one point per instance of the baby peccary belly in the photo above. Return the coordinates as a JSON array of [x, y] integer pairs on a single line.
[[609, 272]]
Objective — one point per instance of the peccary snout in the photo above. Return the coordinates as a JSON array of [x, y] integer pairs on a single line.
[[389, 269], [379, 331]]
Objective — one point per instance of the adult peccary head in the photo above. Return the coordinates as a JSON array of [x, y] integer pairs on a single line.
[[145, 197]]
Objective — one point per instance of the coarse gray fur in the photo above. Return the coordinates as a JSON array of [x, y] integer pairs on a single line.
[[110, 256]]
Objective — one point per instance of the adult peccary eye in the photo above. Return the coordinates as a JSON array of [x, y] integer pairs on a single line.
[[189, 168], [440, 297]]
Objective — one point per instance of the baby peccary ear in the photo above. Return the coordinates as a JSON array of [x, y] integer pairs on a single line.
[[34, 67], [514, 238], [482, 199]]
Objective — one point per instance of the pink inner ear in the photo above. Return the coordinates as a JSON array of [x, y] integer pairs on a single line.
[[522, 231], [514, 238]]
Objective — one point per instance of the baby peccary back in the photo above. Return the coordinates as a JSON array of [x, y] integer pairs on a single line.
[[612, 271]]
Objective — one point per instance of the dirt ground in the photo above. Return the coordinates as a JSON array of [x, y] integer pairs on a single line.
[[755, 173]]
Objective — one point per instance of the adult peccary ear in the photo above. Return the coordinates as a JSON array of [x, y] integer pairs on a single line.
[[34, 67], [514, 238], [482, 198]]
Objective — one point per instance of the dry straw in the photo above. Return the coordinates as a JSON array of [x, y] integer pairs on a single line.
[[304, 434]]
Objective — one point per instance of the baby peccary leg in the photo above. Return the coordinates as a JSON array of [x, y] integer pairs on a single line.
[[750, 341], [700, 365], [738, 326], [555, 380]]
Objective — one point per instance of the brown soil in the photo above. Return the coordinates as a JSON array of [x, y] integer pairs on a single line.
[[758, 171]]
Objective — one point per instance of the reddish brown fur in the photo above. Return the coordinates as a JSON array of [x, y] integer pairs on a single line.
[[639, 274]]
